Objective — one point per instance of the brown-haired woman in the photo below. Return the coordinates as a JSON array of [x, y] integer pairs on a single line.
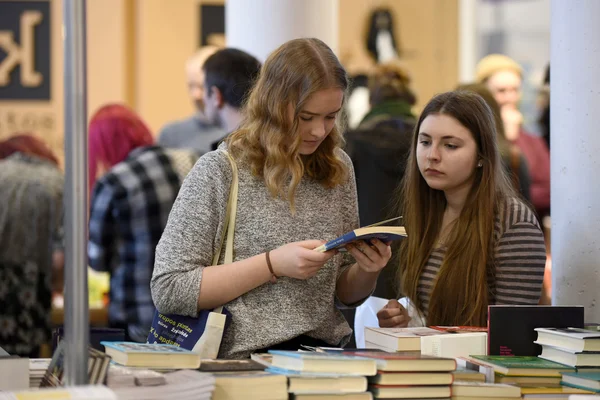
[[471, 242], [295, 185]]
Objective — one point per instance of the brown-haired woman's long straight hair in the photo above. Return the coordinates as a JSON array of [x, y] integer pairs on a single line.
[[461, 291], [268, 140]]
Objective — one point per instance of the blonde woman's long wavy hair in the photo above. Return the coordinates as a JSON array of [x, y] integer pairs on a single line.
[[268, 140], [461, 291]]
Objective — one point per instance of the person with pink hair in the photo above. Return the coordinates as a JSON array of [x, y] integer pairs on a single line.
[[31, 242], [134, 184]]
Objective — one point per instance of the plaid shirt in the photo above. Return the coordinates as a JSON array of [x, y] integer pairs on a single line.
[[129, 210]]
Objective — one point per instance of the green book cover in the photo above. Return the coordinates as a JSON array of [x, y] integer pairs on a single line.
[[522, 362]]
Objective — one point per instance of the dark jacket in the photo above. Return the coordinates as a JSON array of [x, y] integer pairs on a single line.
[[379, 148]]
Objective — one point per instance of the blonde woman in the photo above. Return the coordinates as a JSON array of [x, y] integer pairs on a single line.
[[296, 189], [471, 241]]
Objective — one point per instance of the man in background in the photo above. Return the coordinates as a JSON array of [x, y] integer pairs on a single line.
[[229, 75], [194, 132]]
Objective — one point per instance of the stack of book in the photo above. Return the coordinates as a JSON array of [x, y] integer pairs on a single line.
[[536, 377], [244, 379], [578, 348], [321, 375], [37, 369], [185, 384], [409, 375]]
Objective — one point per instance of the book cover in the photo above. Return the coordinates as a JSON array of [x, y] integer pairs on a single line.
[[574, 339], [511, 329], [385, 233], [323, 362]]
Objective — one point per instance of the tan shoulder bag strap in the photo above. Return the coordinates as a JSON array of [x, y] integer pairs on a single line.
[[229, 220], [229, 217]]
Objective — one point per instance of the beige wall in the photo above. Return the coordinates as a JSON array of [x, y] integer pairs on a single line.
[[166, 35], [137, 50], [106, 53], [427, 31]]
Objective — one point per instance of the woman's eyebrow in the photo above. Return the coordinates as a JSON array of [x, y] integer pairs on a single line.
[[317, 114]]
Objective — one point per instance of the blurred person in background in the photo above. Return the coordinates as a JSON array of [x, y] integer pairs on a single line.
[[229, 74], [503, 77], [194, 132], [512, 157], [544, 107], [31, 242], [131, 201], [379, 147]]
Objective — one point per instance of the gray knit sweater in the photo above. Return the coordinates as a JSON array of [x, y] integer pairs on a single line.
[[271, 313]]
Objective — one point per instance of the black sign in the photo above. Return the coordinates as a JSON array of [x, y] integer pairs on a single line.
[[212, 21], [24, 50]]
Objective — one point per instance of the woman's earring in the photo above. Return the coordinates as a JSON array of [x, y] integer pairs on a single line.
[[480, 164]]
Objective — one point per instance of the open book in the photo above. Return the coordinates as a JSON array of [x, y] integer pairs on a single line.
[[385, 233]]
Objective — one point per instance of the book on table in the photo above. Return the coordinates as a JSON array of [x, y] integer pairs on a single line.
[[249, 385], [399, 339], [484, 390], [575, 339], [345, 396], [408, 362], [523, 365], [322, 383], [385, 233], [153, 355], [412, 378], [511, 328], [464, 374], [570, 357], [322, 362], [553, 390], [417, 392], [582, 380]]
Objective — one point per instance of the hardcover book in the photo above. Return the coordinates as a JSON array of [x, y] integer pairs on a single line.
[[574, 339], [511, 329], [151, 355]]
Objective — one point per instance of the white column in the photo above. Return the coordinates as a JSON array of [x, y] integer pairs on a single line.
[[467, 40], [260, 26], [575, 146]]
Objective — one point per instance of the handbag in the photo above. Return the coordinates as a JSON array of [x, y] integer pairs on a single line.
[[202, 334]]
